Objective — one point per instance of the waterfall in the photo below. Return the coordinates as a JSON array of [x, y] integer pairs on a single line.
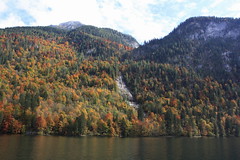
[[125, 93]]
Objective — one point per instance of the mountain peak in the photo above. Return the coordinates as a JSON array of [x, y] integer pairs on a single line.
[[208, 45], [70, 25], [209, 27]]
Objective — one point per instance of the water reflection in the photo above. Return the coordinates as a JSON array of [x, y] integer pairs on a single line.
[[16, 147]]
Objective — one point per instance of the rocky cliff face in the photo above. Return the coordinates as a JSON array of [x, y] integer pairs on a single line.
[[68, 25], [209, 27]]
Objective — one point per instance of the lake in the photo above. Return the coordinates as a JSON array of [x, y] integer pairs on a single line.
[[20, 147]]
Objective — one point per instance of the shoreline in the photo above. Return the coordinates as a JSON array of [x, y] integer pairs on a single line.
[[105, 136]]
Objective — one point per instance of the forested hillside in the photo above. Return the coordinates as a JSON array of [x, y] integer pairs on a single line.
[[49, 87], [190, 77], [207, 45], [63, 82], [110, 34], [181, 101]]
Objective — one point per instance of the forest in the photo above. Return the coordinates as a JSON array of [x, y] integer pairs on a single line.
[[55, 82]]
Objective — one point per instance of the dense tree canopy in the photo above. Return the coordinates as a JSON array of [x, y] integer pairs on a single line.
[[64, 83]]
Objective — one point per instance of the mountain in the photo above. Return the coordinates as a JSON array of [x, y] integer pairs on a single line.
[[92, 81], [205, 28], [104, 33], [61, 82], [208, 45], [68, 25], [101, 38], [190, 78], [110, 34]]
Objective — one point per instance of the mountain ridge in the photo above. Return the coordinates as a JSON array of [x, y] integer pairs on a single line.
[[85, 82], [201, 44], [70, 25], [209, 27], [106, 33]]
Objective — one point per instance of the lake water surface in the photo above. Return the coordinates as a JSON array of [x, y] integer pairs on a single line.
[[19, 147]]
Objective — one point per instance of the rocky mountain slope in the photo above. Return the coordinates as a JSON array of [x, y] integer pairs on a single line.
[[68, 25], [205, 28], [207, 45]]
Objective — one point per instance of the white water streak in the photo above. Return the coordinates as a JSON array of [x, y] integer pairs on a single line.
[[125, 93]]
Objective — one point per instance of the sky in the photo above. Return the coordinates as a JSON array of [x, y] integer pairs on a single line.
[[143, 19]]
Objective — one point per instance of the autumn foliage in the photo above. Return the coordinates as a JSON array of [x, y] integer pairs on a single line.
[[52, 82]]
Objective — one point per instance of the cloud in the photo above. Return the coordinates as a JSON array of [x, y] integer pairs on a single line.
[[235, 7], [3, 6], [216, 3], [46, 12], [180, 1], [11, 20], [205, 11], [142, 19], [12, 14], [191, 5], [134, 17]]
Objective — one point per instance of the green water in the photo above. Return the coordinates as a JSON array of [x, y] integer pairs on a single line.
[[18, 147]]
